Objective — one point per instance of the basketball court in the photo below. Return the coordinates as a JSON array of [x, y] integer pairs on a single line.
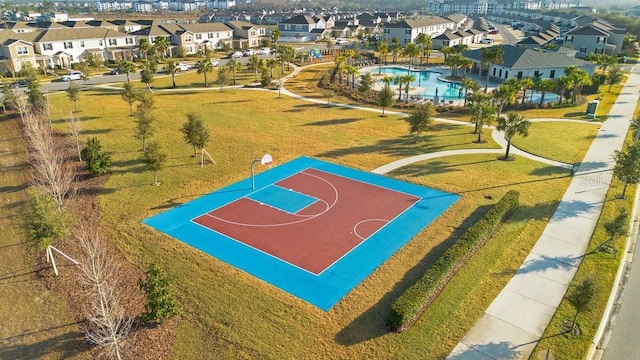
[[309, 227]]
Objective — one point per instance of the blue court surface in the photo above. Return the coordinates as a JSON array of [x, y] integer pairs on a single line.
[[327, 288]]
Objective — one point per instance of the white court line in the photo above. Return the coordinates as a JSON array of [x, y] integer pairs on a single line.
[[355, 227]]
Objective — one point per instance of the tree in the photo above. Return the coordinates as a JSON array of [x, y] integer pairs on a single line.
[[606, 61], [411, 50], [421, 119], [144, 125], [635, 126], [204, 67], [385, 98], [525, 84], [469, 84], [513, 124], [144, 46], [127, 67], [234, 66], [581, 296], [74, 127], [154, 159], [45, 223], [400, 80], [614, 77], [129, 95], [366, 83], [73, 93], [275, 36], [482, 112], [383, 49], [161, 303], [161, 44], [490, 55], [627, 167], [171, 67], [254, 65], [271, 63], [146, 75], [578, 78], [426, 45], [97, 160], [544, 86], [195, 133], [395, 48], [616, 228], [37, 101], [223, 77], [265, 79]]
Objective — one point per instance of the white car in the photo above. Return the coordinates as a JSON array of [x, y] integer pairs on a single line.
[[341, 41], [249, 52], [235, 54], [183, 67], [263, 51], [215, 63], [74, 75]]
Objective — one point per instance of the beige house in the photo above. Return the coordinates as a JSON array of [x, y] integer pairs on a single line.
[[16, 54], [246, 35]]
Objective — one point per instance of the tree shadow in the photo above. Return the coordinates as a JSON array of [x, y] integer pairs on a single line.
[[373, 322], [592, 166], [66, 345], [510, 184], [535, 212], [606, 136], [95, 131], [433, 167], [13, 188], [501, 350], [573, 208], [545, 263], [332, 122], [549, 171], [127, 166]]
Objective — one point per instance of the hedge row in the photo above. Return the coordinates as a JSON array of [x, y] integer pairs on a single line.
[[409, 306]]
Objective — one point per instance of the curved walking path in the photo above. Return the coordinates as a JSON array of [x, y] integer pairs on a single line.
[[515, 321]]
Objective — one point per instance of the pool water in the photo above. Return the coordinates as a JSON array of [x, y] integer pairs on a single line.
[[427, 82]]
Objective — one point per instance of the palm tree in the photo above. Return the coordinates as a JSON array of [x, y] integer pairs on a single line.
[[525, 84], [144, 46], [351, 72], [544, 86], [465, 64], [275, 36], [482, 113], [614, 77], [579, 78], [469, 84], [387, 81], [513, 124], [411, 50], [635, 125], [205, 66], [395, 48], [234, 66], [490, 55], [127, 67], [271, 63], [171, 67], [446, 51], [424, 40], [162, 44], [607, 60], [564, 83], [505, 94], [254, 65], [383, 49]]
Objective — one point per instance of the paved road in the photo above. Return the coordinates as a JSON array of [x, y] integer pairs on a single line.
[[507, 36]]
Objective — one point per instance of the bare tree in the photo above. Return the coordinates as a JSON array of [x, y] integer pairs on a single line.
[[75, 127], [108, 325], [52, 173]]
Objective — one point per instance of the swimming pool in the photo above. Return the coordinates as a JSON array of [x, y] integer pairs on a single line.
[[426, 83]]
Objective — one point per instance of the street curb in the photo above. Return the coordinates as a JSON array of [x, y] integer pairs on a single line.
[[614, 295]]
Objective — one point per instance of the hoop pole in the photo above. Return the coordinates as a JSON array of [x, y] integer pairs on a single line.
[[253, 181]]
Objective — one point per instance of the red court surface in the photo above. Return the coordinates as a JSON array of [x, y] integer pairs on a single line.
[[346, 214]]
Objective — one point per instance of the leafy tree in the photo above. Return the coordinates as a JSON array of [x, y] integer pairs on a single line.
[[195, 133], [395, 48], [411, 50], [9, 98], [144, 46], [44, 221], [544, 86], [469, 84], [144, 125], [171, 67], [127, 67], [614, 77], [223, 77], [366, 83], [129, 95], [580, 297], [146, 75], [490, 55], [271, 63], [265, 79], [73, 93], [421, 119], [154, 159], [635, 126], [385, 98], [36, 99], [161, 44], [383, 49], [254, 65], [426, 45], [97, 160], [161, 302], [616, 228], [525, 84], [275, 36], [627, 167], [513, 124], [482, 112], [578, 78]]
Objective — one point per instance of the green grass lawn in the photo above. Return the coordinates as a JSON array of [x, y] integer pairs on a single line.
[[229, 314], [566, 142]]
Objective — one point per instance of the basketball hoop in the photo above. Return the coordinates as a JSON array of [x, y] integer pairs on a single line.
[[264, 160]]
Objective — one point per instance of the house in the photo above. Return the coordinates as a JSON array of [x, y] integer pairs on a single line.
[[448, 38], [302, 27], [407, 30], [594, 35], [15, 54], [246, 35], [521, 63]]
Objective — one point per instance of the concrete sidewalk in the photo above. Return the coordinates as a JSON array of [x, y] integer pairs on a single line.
[[515, 321]]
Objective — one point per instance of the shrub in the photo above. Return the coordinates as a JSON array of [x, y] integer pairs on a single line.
[[161, 303], [97, 161], [410, 305]]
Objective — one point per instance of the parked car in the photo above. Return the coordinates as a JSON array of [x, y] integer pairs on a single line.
[[115, 71], [493, 32], [74, 75], [249, 52], [263, 51], [183, 67], [234, 55], [341, 41], [215, 63], [18, 84], [488, 41]]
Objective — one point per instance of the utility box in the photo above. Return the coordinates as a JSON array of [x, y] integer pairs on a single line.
[[592, 108]]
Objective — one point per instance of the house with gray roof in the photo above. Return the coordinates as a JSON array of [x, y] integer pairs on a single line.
[[521, 63], [302, 27], [594, 35]]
